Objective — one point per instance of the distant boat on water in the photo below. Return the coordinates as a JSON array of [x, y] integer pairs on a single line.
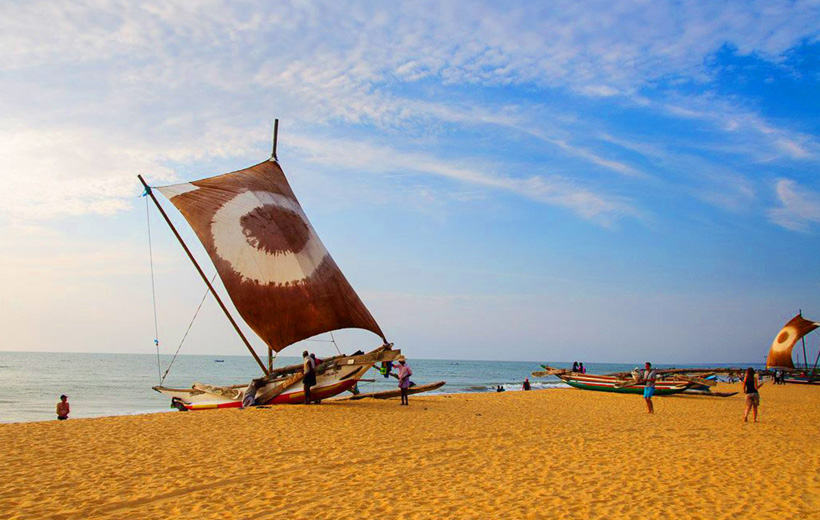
[[219, 360]]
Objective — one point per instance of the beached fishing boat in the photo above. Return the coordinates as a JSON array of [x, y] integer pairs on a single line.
[[604, 383], [282, 281], [620, 383], [390, 394]]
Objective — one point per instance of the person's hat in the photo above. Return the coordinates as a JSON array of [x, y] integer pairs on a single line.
[[401, 358]]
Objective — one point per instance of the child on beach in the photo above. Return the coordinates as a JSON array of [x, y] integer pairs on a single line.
[[63, 408], [750, 387]]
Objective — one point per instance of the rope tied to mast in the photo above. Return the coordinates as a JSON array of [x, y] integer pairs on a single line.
[[191, 324], [153, 284]]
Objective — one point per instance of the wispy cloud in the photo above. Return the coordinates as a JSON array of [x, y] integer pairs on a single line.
[[799, 206], [553, 190], [138, 82]]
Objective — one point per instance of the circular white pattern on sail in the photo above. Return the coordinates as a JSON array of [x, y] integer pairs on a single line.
[[783, 340], [251, 262]]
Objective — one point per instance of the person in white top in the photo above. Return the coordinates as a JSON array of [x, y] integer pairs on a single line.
[[649, 378], [404, 379]]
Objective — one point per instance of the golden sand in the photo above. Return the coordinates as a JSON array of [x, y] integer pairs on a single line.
[[541, 454]]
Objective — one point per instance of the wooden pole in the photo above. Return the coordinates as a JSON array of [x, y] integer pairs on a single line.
[[150, 193], [805, 359], [275, 137]]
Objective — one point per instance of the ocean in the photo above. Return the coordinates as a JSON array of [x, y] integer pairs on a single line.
[[120, 384]]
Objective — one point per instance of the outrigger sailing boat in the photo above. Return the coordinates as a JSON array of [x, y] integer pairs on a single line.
[[780, 353], [612, 383], [280, 277]]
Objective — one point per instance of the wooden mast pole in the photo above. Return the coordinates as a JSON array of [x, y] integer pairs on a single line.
[[273, 156], [150, 193], [275, 138], [803, 340]]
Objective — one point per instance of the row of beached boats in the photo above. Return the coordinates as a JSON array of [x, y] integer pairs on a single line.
[[700, 381], [287, 288]]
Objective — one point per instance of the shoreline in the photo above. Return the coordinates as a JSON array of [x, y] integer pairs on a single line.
[[173, 410], [558, 454]]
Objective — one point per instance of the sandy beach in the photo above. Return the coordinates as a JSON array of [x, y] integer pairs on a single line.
[[541, 454]]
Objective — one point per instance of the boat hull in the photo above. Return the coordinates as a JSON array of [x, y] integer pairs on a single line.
[[328, 384], [800, 380], [599, 383]]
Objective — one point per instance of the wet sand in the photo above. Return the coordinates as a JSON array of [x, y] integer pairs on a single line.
[[541, 454]]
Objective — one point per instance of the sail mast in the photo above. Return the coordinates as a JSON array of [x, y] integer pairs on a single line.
[[803, 340], [275, 139], [273, 156], [150, 193]]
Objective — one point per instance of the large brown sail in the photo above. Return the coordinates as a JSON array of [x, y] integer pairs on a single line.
[[278, 273], [780, 354]]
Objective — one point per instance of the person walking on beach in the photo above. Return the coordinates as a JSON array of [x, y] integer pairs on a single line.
[[649, 378], [750, 386], [63, 408], [404, 379], [309, 369]]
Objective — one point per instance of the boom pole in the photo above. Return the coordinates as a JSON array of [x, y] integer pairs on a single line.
[[150, 193]]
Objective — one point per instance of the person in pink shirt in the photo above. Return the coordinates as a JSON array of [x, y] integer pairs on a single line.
[[404, 379]]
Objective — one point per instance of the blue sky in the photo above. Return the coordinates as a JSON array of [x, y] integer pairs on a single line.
[[609, 181]]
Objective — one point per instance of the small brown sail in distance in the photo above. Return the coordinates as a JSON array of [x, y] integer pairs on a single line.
[[780, 354], [279, 275]]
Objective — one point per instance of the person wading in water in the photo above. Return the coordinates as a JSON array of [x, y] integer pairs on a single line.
[[309, 369]]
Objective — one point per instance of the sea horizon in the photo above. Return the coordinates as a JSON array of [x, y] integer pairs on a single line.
[[109, 384]]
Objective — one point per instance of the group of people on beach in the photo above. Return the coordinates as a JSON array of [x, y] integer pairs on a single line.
[[310, 367], [649, 376], [779, 377], [751, 383]]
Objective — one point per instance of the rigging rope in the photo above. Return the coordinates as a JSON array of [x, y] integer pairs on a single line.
[[208, 290], [334, 343], [153, 288]]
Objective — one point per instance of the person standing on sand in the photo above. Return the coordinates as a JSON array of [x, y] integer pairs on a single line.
[[404, 379], [649, 378], [526, 385], [309, 369], [63, 408], [750, 386]]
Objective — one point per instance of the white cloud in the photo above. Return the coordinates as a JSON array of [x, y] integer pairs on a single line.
[[553, 190], [123, 87], [799, 206]]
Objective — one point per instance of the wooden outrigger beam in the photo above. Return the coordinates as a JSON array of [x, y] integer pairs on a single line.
[[150, 193]]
